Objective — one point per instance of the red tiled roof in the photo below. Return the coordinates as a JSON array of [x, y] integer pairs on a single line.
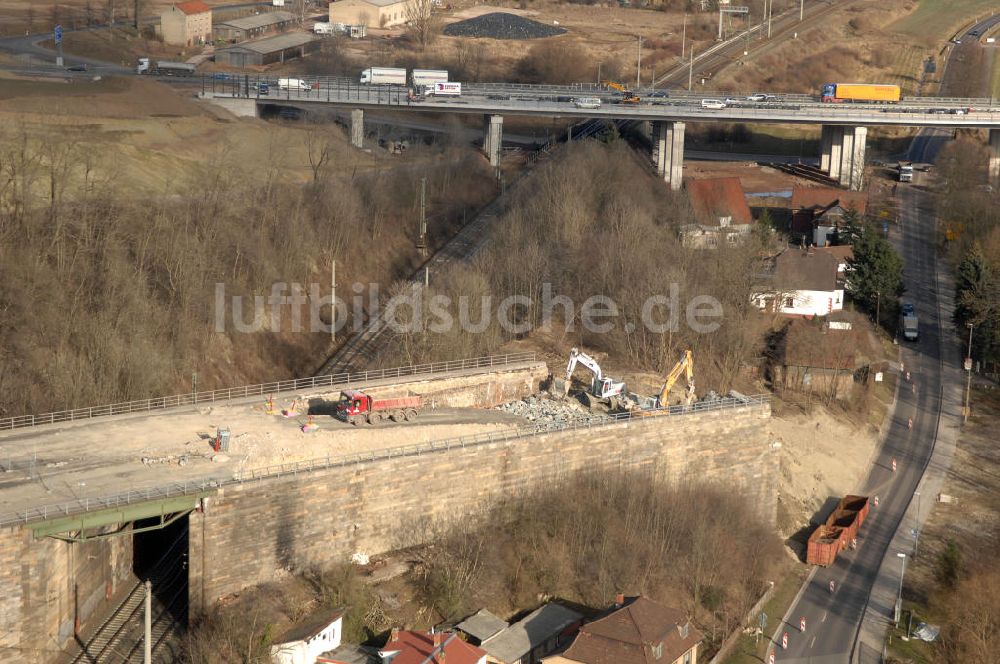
[[630, 634], [193, 7], [719, 197], [420, 648], [819, 198]]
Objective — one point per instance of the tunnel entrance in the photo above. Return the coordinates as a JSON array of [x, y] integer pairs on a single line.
[[160, 555]]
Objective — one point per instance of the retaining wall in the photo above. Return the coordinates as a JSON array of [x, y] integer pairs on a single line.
[[322, 517]]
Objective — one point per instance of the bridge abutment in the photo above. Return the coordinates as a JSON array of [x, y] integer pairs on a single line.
[[357, 127], [493, 138], [668, 151], [994, 164]]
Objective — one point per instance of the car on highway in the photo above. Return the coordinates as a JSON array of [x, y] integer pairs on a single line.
[[587, 102], [908, 309], [79, 67], [956, 41], [730, 101], [658, 94], [957, 111], [757, 97], [974, 33], [714, 104]]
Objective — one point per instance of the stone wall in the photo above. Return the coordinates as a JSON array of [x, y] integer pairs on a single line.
[[322, 517], [48, 585]]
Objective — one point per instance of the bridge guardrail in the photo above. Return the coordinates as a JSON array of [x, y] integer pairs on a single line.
[[84, 505], [228, 394]]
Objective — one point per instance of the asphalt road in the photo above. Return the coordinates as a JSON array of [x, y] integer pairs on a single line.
[[865, 581]]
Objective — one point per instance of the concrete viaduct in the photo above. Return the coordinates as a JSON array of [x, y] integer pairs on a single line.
[[843, 136]]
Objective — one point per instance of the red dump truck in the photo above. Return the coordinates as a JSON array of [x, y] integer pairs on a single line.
[[840, 529], [357, 407]]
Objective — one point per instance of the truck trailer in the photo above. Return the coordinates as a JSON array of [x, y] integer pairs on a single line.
[[445, 89], [356, 407], [905, 171], [428, 77], [164, 68], [866, 93], [383, 76], [911, 327]]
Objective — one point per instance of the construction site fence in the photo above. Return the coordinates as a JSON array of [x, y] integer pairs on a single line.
[[195, 487], [230, 393]]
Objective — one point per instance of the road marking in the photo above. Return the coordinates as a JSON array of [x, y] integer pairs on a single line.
[[812, 642], [823, 619]]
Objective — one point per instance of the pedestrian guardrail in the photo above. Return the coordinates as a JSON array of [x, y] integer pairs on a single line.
[[230, 393], [194, 487]]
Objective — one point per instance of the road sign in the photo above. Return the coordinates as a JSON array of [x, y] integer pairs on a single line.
[[802, 624], [784, 641], [968, 364], [832, 586], [770, 658], [58, 34]]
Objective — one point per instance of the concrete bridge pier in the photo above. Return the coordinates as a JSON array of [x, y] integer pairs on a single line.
[[668, 151], [843, 154], [493, 138], [994, 165], [357, 127]]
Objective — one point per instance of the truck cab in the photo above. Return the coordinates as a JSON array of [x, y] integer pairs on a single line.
[[352, 403], [905, 172]]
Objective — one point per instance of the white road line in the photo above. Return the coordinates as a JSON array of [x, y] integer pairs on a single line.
[[823, 619], [812, 642]]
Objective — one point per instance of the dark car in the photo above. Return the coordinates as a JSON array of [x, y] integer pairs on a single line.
[[79, 67], [659, 94], [908, 309]]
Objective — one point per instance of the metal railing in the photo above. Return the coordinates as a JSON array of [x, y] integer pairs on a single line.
[[230, 393], [83, 505]]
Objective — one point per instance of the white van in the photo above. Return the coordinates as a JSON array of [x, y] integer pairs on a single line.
[[587, 102], [714, 104], [293, 84]]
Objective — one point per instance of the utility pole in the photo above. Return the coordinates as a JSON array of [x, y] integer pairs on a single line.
[[802, 7], [691, 69], [333, 301], [638, 65], [684, 32], [878, 304], [422, 240], [968, 380], [147, 640], [770, 6]]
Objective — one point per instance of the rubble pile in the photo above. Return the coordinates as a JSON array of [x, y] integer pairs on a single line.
[[545, 409], [501, 25]]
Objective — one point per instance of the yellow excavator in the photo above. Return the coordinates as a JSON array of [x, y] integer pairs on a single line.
[[628, 97], [684, 366]]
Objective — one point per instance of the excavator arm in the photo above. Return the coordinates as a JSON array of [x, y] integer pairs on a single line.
[[684, 366], [601, 386]]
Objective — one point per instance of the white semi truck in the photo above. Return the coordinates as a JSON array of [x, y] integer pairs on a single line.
[[905, 171], [427, 77], [164, 68], [911, 327], [383, 76]]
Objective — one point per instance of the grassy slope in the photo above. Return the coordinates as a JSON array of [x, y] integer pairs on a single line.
[[934, 18]]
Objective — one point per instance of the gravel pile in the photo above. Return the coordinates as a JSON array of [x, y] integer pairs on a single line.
[[500, 25], [544, 409]]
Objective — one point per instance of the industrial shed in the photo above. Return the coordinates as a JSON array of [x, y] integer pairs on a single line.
[[250, 27], [269, 50]]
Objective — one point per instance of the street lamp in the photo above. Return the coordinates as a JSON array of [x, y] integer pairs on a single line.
[[968, 379], [899, 598], [916, 528]]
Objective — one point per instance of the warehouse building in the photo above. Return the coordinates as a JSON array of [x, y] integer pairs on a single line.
[[373, 13], [251, 27], [268, 50]]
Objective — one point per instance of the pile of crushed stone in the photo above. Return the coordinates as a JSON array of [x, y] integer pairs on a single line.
[[501, 25]]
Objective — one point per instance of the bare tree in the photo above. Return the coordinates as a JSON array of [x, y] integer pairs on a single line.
[[318, 148], [422, 23]]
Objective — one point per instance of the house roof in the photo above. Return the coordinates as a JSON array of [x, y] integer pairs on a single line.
[[193, 7], [719, 197], [629, 634], [482, 624], [258, 20], [806, 269], [533, 630], [312, 627], [348, 653], [420, 648], [806, 344], [842, 252], [272, 44], [819, 198], [385, 3]]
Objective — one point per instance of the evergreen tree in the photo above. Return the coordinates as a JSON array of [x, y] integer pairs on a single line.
[[875, 271]]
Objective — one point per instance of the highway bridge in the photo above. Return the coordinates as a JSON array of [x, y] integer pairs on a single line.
[[844, 126]]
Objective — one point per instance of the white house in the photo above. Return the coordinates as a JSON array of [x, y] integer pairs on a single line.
[[302, 645], [804, 282]]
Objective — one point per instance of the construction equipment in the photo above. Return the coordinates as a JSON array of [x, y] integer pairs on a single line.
[[357, 407], [628, 97], [602, 387], [686, 366]]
